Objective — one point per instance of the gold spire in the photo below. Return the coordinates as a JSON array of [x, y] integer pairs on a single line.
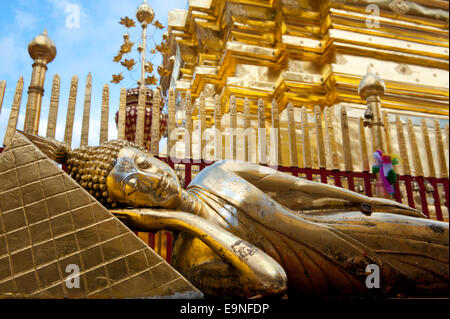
[[145, 13], [42, 47], [371, 85]]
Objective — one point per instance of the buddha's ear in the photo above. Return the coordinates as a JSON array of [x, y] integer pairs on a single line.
[[55, 150]]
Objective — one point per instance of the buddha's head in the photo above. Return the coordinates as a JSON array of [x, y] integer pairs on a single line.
[[139, 179], [116, 172]]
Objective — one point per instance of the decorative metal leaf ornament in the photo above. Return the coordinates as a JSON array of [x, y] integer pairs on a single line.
[[151, 80], [117, 78], [118, 57], [148, 67], [127, 22], [129, 64], [126, 47], [158, 25]]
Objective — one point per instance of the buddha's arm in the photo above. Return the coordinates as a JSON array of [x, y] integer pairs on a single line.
[[302, 195], [257, 270]]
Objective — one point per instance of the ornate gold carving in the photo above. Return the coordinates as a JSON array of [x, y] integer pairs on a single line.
[[275, 150], [86, 111], [319, 138], [331, 138], [441, 150], [71, 110], [233, 127], [218, 128], [202, 125], [426, 139], [414, 149], [402, 146], [53, 109], [307, 162], [262, 137], [171, 122], [155, 123], [292, 136], [247, 129], [14, 114], [140, 121], [399, 6], [348, 163], [122, 114], [387, 132], [363, 142], [2, 93], [189, 109], [104, 115]]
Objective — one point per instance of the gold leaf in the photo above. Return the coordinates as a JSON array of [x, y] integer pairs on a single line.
[[117, 78], [148, 67], [158, 25], [128, 64], [126, 47], [118, 57], [127, 22], [151, 80]]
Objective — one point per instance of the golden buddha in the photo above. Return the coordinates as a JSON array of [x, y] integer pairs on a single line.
[[247, 230]]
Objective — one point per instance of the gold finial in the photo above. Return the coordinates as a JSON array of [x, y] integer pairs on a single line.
[[371, 85], [42, 47], [145, 13]]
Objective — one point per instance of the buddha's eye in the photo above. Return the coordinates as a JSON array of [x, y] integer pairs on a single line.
[[143, 163]]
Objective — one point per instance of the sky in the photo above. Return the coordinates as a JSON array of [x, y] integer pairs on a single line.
[[89, 46]]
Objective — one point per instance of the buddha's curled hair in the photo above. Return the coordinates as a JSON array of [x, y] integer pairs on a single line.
[[88, 165]]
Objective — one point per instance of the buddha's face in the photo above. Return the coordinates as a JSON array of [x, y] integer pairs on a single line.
[[140, 180]]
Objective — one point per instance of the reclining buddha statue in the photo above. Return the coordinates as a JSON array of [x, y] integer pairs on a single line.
[[244, 230]]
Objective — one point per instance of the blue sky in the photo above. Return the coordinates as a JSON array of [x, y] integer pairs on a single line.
[[89, 48]]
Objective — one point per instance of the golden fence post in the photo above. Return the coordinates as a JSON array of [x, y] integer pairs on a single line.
[[363, 143], [319, 138], [443, 173], [105, 115], [306, 141], [402, 146], [233, 126], [2, 93], [247, 129], [202, 125], [53, 109], [122, 115], [14, 114], [348, 163], [415, 151], [275, 136], [188, 120], [262, 138], [426, 139], [71, 110], [370, 89], [292, 135], [171, 125], [86, 111], [140, 120], [331, 138], [155, 135], [387, 132], [218, 128]]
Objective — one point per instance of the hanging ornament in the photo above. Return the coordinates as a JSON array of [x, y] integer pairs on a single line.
[[385, 167]]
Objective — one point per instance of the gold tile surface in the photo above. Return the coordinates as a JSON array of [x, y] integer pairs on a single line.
[[48, 222]]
